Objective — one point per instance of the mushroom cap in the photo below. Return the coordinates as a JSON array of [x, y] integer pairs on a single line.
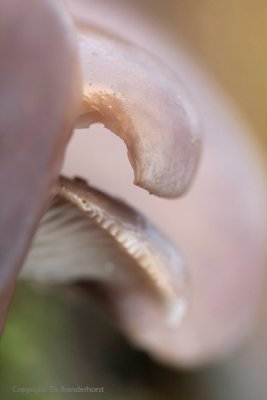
[[40, 94], [139, 98]]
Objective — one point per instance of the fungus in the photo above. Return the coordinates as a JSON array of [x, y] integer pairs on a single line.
[[40, 94], [219, 226], [141, 100]]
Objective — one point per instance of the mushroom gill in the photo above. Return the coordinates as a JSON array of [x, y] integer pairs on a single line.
[[87, 235]]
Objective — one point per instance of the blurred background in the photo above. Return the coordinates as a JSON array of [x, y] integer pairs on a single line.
[[230, 39], [58, 337]]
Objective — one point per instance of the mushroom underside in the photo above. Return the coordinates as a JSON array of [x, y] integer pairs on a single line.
[[88, 236]]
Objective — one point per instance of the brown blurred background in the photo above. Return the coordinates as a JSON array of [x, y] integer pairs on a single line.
[[230, 38]]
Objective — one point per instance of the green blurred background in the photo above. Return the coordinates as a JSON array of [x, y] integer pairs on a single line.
[[57, 337]]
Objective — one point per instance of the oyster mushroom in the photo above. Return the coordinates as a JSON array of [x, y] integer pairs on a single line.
[[219, 225], [163, 142], [163, 149]]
